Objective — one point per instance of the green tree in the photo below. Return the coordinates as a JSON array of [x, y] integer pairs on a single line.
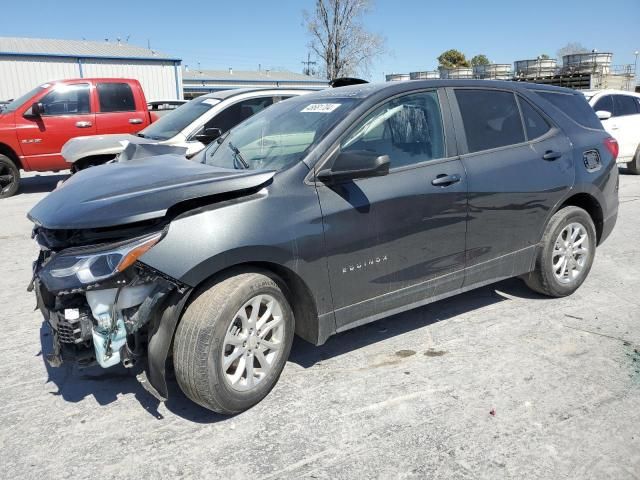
[[544, 56], [480, 59], [453, 59]]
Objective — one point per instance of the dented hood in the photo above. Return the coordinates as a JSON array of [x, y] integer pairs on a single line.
[[137, 190]]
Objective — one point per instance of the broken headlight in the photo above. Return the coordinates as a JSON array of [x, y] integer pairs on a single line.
[[74, 268]]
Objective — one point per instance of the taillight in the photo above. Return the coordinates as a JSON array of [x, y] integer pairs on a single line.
[[612, 146]]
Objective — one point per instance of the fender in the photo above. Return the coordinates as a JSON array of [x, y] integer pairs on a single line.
[[160, 338]]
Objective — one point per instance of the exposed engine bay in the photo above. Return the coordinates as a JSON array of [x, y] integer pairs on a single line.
[[95, 295]]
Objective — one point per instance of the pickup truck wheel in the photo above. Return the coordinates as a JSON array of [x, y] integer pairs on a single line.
[[9, 177], [567, 253], [232, 342], [633, 167]]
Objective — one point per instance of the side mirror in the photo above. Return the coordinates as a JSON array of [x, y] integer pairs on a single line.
[[356, 164], [37, 109], [603, 114], [208, 135]]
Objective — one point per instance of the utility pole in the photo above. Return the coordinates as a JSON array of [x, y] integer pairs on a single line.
[[307, 69], [635, 68]]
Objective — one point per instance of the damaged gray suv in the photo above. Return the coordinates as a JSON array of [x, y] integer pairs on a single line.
[[319, 214]]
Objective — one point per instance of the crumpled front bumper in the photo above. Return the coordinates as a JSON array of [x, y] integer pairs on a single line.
[[143, 327]]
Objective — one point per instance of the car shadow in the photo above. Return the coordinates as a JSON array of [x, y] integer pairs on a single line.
[[40, 183], [306, 355], [77, 383]]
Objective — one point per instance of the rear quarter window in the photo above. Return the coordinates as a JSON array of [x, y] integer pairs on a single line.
[[575, 106]]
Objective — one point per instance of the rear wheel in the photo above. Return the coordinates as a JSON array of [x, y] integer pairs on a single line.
[[567, 253], [232, 342], [9, 177]]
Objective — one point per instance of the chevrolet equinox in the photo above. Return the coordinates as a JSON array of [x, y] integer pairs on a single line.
[[319, 214]]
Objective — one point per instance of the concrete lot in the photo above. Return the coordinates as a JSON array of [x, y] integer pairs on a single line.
[[406, 397]]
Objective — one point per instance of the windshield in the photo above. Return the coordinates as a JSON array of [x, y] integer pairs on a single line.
[[18, 102], [279, 136], [169, 125]]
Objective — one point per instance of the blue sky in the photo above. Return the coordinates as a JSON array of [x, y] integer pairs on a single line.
[[244, 33]]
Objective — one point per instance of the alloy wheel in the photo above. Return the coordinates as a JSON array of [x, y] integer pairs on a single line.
[[253, 342], [570, 253]]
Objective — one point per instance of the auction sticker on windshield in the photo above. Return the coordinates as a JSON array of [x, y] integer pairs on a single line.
[[321, 107]]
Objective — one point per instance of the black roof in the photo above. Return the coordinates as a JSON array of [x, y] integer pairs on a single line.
[[369, 89]]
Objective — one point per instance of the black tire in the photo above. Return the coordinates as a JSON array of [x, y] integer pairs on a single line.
[[199, 342], [542, 279], [89, 162], [633, 167], [9, 177]]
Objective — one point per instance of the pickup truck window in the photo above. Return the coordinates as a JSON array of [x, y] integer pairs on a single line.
[[116, 97], [67, 100], [174, 122], [18, 102]]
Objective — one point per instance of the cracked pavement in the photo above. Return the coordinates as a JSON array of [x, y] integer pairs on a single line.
[[406, 397]]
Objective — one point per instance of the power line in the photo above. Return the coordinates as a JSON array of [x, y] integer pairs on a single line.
[[307, 69]]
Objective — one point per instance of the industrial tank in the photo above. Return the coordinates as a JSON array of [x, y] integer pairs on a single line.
[[428, 75], [397, 77], [493, 71], [460, 72], [537, 67], [592, 62]]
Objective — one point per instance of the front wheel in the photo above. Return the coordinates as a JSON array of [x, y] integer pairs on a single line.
[[232, 342], [9, 177], [567, 253]]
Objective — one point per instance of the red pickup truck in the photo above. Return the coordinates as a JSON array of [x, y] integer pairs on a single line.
[[34, 127]]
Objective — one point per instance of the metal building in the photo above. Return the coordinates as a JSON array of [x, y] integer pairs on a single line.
[[198, 82], [27, 62]]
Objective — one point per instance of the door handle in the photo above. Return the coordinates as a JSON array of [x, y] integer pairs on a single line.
[[551, 155], [83, 124], [135, 121], [444, 180]]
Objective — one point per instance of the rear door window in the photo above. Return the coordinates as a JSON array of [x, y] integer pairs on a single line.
[[575, 106], [491, 118], [408, 129], [624, 105], [116, 97], [534, 123], [67, 100]]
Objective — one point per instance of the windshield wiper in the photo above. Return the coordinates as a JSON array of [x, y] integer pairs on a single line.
[[141, 135], [238, 155]]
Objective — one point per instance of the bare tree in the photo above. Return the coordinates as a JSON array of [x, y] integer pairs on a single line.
[[339, 38], [572, 48]]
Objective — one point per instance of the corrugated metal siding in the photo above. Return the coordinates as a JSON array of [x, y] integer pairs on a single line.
[[18, 76], [158, 79]]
